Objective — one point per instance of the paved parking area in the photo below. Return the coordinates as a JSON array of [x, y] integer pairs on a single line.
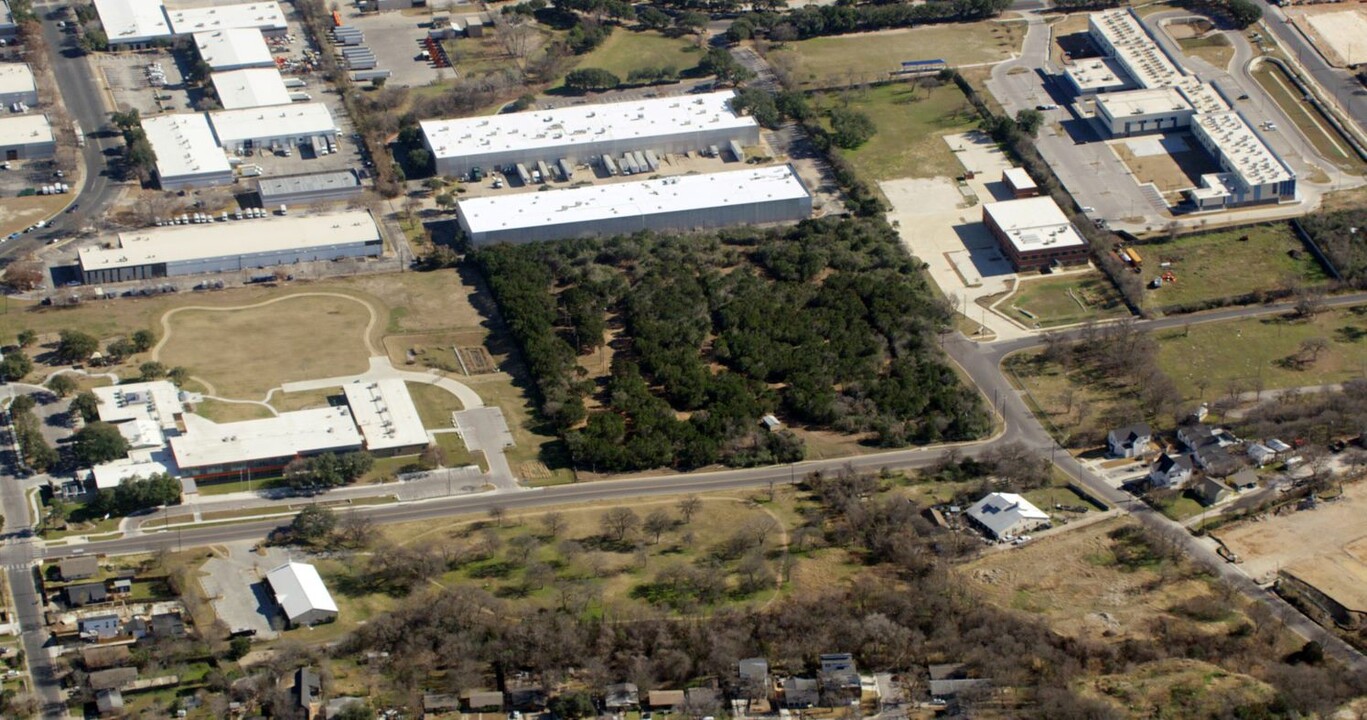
[[235, 584], [396, 38], [130, 83]]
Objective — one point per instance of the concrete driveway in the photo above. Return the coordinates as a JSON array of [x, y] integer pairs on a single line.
[[236, 585]]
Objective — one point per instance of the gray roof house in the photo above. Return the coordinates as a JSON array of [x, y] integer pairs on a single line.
[[111, 679], [1170, 471], [1005, 515], [1195, 436], [86, 594], [109, 702], [801, 692], [100, 626], [1209, 491], [1261, 454], [78, 568], [1243, 480], [838, 671], [1128, 442], [483, 700], [756, 669], [1215, 460]]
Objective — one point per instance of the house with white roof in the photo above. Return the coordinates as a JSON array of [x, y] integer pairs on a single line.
[[299, 591], [1006, 515]]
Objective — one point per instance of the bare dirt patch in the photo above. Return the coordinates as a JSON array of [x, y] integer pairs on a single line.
[[1338, 33], [1170, 172]]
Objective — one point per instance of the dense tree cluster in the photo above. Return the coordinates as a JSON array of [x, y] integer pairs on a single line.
[[1342, 236], [828, 322], [97, 443], [28, 434], [134, 494], [328, 470], [137, 153], [811, 21]]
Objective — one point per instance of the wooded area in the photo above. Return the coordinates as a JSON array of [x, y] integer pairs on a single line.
[[828, 323], [1343, 238]]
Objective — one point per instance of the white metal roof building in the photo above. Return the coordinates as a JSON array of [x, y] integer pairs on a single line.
[[301, 594], [384, 411], [133, 23], [260, 127], [1258, 174], [1120, 34], [250, 88], [1097, 75], [680, 203], [1205, 98], [233, 49], [583, 132], [7, 26], [1136, 112], [107, 476], [187, 154], [231, 246], [1006, 515], [265, 17], [17, 85], [26, 137], [207, 447], [1034, 232], [310, 187]]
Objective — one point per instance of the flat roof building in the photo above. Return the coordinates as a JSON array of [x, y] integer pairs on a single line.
[[312, 187], [133, 23], [110, 475], [581, 133], [233, 49], [187, 154], [26, 137], [301, 594], [264, 17], [1253, 173], [17, 85], [1119, 33], [1019, 182], [157, 401], [1202, 96], [1034, 233], [679, 203], [8, 28], [261, 127], [230, 247], [208, 448], [1097, 75], [1137, 112], [384, 411], [250, 88]]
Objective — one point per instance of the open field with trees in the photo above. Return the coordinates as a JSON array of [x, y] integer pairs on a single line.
[[909, 120], [1340, 235], [624, 53], [1232, 263], [702, 351]]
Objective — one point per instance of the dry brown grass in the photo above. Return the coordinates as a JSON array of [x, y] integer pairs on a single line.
[[1169, 172], [1151, 689], [20, 212]]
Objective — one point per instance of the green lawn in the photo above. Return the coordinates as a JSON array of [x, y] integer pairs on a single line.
[[434, 404], [1065, 300], [1179, 506], [910, 121], [454, 452], [1315, 128], [1233, 356], [1229, 263], [838, 61], [625, 50]]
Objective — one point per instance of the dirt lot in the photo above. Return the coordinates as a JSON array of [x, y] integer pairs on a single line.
[[1177, 169], [1337, 31], [1326, 547]]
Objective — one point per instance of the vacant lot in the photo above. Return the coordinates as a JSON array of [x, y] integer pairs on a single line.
[[1214, 49], [625, 51], [840, 61], [1151, 689], [434, 404], [20, 212], [1065, 300], [1308, 120], [1208, 361], [244, 353], [1177, 169], [911, 120], [1229, 263], [1086, 583]]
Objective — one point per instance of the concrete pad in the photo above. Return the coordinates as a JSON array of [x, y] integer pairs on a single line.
[[236, 586]]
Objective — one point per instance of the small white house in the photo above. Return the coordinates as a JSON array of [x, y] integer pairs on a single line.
[[1006, 515], [1261, 454], [1128, 442], [1170, 471]]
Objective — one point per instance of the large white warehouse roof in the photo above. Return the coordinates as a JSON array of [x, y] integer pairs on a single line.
[[25, 130], [648, 197], [1141, 56], [583, 124], [296, 120], [250, 87], [195, 242], [233, 48], [16, 78], [1250, 159], [133, 21], [184, 145], [253, 15], [302, 432]]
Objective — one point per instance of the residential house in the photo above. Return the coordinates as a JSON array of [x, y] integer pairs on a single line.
[[1243, 480], [621, 696], [527, 698], [801, 692], [102, 627], [78, 568], [308, 690], [301, 594], [103, 657], [702, 701], [111, 679], [665, 700], [1209, 491], [947, 680], [437, 703], [482, 701], [86, 594], [753, 674], [1261, 454], [167, 625], [1170, 471], [1005, 515], [1129, 442], [1195, 435], [1278, 446], [109, 702], [1214, 460], [838, 669]]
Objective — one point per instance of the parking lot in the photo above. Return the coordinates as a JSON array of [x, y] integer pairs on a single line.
[[152, 82], [235, 583], [396, 38]]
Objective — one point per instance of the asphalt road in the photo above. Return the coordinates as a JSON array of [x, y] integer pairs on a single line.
[[1340, 84]]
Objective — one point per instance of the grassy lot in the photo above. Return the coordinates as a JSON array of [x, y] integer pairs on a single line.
[[1075, 410], [17, 213], [911, 120], [1315, 128], [455, 454], [1200, 361], [839, 61], [434, 404], [1065, 300], [1214, 49], [288, 331], [1229, 263], [225, 412], [625, 50]]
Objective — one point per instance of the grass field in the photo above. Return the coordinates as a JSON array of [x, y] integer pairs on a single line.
[[274, 344], [910, 121], [1214, 49], [225, 412], [1307, 119], [625, 50], [839, 61], [1229, 263], [1202, 354], [17, 213], [434, 404], [1065, 300]]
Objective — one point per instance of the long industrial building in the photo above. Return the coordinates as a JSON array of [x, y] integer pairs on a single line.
[[679, 203], [26, 137], [231, 247], [134, 24], [583, 132], [234, 49], [1143, 111], [187, 154], [250, 88], [264, 127], [17, 85]]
